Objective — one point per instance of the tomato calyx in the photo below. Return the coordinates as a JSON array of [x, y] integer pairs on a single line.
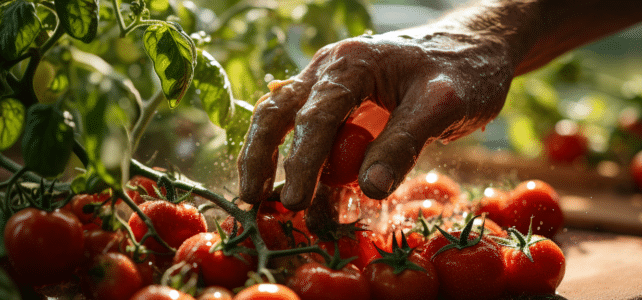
[[462, 242], [398, 257], [519, 241], [229, 245], [427, 227]]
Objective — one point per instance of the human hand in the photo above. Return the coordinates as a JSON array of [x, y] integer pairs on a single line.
[[437, 85]]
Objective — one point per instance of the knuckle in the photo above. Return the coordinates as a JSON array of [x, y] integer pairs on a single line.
[[354, 47]]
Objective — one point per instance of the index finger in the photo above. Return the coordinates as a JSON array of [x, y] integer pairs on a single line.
[[272, 119]]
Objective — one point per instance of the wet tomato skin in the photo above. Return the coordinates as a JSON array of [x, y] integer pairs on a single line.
[[267, 291], [174, 223], [347, 154], [475, 272], [50, 242], [538, 199], [160, 292], [195, 251], [315, 281], [540, 276], [112, 276], [407, 285]]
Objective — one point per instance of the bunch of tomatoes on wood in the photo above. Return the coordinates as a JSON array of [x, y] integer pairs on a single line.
[[428, 240]]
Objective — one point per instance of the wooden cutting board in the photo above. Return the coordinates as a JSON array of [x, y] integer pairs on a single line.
[[601, 266]]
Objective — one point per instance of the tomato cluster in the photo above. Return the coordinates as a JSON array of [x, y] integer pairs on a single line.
[[426, 241]]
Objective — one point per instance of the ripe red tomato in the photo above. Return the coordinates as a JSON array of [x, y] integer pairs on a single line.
[[267, 291], [160, 292], [195, 251], [371, 117], [493, 204], [174, 223], [78, 202], [313, 281], [361, 247], [540, 276], [565, 144], [474, 272], [146, 184], [347, 154], [215, 293], [44, 247], [432, 185], [271, 220], [636, 169], [538, 199], [98, 241], [408, 285], [111, 276]]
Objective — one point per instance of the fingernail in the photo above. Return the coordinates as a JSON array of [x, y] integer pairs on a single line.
[[380, 177]]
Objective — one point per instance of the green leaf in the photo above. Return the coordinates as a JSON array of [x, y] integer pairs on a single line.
[[79, 18], [106, 139], [12, 118], [215, 89], [277, 62], [8, 289], [174, 56], [238, 126], [19, 26], [244, 84], [48, 139]]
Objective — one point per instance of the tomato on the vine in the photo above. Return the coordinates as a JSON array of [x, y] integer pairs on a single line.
[[149, 186], [98, 241], [360, 246], [347, 154], [267, 291], [469, 266], [111, 276], [49, 242], [314, 280], [174, 223], [160, 292], [402, 273], [195, 251], [538, 199], [86, 215]]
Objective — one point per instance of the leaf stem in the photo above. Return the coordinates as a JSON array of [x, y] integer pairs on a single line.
[[147, 111]]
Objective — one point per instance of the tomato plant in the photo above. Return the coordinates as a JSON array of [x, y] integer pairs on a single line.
[[51, 242]]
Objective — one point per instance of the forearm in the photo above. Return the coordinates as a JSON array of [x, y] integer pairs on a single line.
[[533, 32]]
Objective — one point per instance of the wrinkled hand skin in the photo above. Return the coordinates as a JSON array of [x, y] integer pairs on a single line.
[[439, 85]]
